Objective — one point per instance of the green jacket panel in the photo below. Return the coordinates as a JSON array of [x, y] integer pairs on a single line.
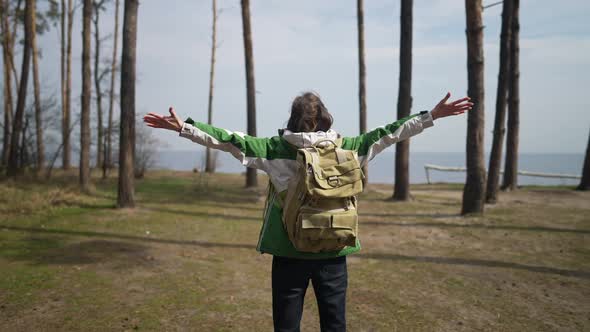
[[276, 156]]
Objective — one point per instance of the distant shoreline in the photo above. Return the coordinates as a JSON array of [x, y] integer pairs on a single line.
[[381, 169]]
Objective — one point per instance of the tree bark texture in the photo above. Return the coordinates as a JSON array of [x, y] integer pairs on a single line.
[[97, 5], [109, 148], [585, 182], [362, 76], [474, 190], [501, 100], [24, 152], [37, 93], [67, 117], [125, 197], [17, 127], [209, 162], [7, 57], [251, 179], [15, 21], [85, 98], [64, 106], [510, 181], [401, 190]]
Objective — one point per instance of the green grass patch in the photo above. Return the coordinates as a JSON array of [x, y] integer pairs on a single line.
[[184, 259]]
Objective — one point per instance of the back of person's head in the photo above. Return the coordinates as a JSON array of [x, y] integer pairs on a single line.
[[308, 114]]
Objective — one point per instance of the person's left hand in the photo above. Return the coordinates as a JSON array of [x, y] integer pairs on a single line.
[[171, 122], [456, 107]]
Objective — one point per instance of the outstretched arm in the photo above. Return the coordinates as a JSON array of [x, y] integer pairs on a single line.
[[250, 151], [368, 145]]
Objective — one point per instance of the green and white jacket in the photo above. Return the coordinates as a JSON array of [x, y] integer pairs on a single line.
[[276, 156]]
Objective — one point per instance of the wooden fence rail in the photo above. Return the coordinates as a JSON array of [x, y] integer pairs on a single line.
[[428, 167]]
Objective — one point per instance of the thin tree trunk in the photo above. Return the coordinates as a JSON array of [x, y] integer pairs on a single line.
[[251, 179], [23, 154], [7, 109], [64, 106], [104, 158], [15, 21], [501, 100], [97, 79], [7, 66], [585, 182], [67, 149], [13, 159], [362, 77], [401, 190], [125, 197], [474, 190], [37, 93], [109, 149], [57, 153], [86, 94], [210, 163], [510, 181]]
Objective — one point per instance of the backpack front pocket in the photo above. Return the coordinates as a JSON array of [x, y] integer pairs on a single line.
[[326, 231]]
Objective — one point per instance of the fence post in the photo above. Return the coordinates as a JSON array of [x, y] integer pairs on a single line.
[[426, 169]]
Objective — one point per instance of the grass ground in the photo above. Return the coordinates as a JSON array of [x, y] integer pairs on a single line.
[[185, 259]]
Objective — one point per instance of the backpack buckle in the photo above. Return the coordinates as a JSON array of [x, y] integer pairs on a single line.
[[334, 180]]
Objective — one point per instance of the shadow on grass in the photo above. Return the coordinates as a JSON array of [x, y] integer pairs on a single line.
[[126, 237], [45, 249], [207, 215], [479, 263], [123, 254], [97, 246], [421, 199], [251, 206], [192, 198], [160, 192], [410, 215], [474, 226]]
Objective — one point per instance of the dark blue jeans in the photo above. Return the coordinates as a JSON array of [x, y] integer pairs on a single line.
[[290, 278]]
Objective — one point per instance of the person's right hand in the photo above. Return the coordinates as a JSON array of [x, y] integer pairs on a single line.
[[171, 122], [443, 109]]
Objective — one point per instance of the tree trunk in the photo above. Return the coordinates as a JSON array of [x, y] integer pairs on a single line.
[[7, 57], [64, 106], [362, 77], [251, 180], [86, 94], [97, 80], [67, 149], [109, 147], [585, 182], [125, 196], [510, 181], [23, 154], [501, 95], [37, 93], [56, 154], [401, 190], [17, 9], [209, 162], [474, 190], [13, 159]]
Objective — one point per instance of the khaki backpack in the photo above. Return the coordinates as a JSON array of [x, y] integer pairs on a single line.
[[320, 208]]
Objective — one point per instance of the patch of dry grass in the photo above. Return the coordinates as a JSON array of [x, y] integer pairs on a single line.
[[185, 259]]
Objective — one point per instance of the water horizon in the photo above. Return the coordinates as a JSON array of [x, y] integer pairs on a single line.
[[382, 168]]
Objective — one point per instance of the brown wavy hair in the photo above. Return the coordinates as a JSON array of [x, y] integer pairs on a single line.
[[308, 114]]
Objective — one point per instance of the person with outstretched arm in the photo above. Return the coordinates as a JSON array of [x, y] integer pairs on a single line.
[[308, 123]]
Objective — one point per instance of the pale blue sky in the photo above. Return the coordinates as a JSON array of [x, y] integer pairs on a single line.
[[312, 45]]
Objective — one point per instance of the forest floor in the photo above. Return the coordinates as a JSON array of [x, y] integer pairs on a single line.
[[184, 259]]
